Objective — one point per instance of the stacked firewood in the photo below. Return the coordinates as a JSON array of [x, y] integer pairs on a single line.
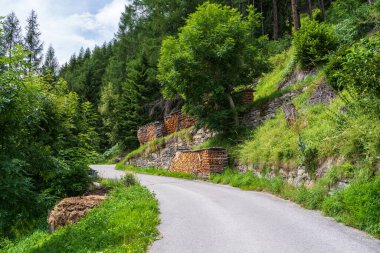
[[150, 132], [201, 162], [246, 97]]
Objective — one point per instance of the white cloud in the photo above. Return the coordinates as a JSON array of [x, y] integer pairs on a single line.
[[70, 25]]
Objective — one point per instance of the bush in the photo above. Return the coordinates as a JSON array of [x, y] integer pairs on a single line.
[[360, 69], [357, 205], [313, 42]]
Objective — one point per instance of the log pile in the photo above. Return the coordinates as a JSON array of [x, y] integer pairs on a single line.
[[71, 210], [246, 97], [150, 132], [200, 162], [177, 121]]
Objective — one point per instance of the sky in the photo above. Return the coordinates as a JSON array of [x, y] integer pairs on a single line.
[[69, 25]]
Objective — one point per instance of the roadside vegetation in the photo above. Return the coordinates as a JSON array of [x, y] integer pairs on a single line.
[[125, 222], [154, 171]]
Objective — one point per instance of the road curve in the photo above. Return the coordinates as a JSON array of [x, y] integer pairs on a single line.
[[202, 217]]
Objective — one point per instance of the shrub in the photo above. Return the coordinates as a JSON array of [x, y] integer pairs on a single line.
[[357, 205], [360, 69], [313, 42]]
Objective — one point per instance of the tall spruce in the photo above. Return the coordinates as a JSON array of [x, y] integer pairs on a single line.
[[51, 65], [12, 34], [33, 43]]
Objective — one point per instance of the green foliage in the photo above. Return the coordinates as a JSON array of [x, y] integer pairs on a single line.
[[47, 139], [214, 52], [358, 67], [129, 179], [154, 171], [109, 154], [358, 205], [313, 43], [283, 65], [126, 222], [309, 157], [353, 19]]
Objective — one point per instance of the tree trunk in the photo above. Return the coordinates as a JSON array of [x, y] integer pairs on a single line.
[[310, 9], [296, 19], [262, 17], [370, 2], [275, 20], [322, 7], [233, 108]]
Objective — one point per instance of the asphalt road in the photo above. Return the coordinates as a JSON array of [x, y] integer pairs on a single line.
[[201, 217]]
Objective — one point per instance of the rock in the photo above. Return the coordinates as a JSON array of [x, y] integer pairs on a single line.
[[291, 114], [323, 94], [71, 210]]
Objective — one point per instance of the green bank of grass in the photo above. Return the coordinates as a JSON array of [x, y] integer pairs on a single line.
[[283, 65], [358, 205], [125, 222], [154, 171], [347, 127]]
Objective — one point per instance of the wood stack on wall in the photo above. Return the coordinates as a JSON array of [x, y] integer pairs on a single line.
[[200, 162], [150, 132], [177, 121], [246, 97]]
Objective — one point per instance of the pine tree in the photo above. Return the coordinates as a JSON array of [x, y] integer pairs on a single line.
[[33, 43], [12, 34], [50, 65]]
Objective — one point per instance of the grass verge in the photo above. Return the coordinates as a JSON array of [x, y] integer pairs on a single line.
[[154, 171], [126, 222], [357, 205]]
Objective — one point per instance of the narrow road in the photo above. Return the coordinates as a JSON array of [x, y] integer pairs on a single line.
[[201, 217]]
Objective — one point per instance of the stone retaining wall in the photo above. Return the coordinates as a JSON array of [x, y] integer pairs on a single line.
[[257, 115], [163, 154], [201, 162]]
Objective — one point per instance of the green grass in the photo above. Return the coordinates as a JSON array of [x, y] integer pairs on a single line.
[[357, 205], [283, 65], [154, 171], [126, 222]]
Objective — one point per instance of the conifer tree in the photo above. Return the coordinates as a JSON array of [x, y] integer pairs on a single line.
[[50, 65], [32, 42], [12, 34]]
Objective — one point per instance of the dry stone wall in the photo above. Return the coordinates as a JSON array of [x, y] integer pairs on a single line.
[[200, 162], [257, 115], [162, 156]]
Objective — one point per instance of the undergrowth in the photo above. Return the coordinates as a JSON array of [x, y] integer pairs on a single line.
[[283, 65], [125, 222]]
